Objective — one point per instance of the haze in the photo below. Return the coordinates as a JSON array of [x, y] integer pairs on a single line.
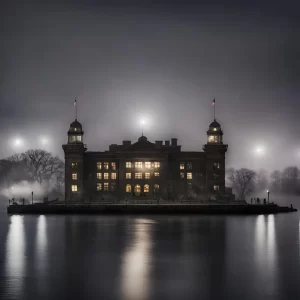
[[162, 63]]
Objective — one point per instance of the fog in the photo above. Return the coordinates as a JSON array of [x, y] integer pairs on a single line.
[[161, 63]]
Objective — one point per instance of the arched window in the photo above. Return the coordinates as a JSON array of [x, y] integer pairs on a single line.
[[137, 189], [156, 187], [146, 188], [128, 188]]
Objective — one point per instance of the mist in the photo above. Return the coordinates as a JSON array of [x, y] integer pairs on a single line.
[[162, 63]]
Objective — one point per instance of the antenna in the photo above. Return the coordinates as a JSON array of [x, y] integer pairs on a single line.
[[214, 105], [75, 105]]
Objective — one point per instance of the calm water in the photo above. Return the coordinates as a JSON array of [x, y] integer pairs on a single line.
[[149, 257]]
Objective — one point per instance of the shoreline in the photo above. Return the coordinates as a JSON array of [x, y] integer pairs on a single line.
[[238, 209]]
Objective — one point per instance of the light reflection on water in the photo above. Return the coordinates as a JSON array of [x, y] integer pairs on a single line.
[[136, 263], [15, 257], [41, 243]]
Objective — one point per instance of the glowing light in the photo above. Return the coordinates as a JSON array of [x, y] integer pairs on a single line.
[[18, 142], [260, 150], [44, 141]]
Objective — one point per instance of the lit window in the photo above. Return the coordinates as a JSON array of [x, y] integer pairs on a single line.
[[181, 175], [75, 129], [156, 187], [128, 164], [156, 174], [138, 164], [105, 175], [147, 175], [74, 188], [216, 187], [106, 165], [138, 175], [99, 186], [128, 175], [128, 188], [113, 166], [147, 164], [189, 175], [78, 138], [213, 139], [74, 164], [189, 165], [156, 164], [181, 166], [146, 188], [215, 129], [99, 175], [106, 186], [113, 186], [99, 165], [113, 175], [216, 166], [74, 176]]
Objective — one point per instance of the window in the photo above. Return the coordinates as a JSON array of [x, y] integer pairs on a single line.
[[137, 189], [74, 176], [99, 187], [74, 165], [181, 167], [113, 176], [113, 186], [215, 129], [128, 188], [99, 175], [156, 164], [113, 166], [138, 175], [189, 175], [128, 164], [99, 165], [78, 138], [147, 164], [106, 165], [106, 175], [147, 175], [74, 188], [181, 175], [189, 165], [146, 188], [216, 176], [128, 175], [106, 186], [213, 139], [138, 164], [216, 165], [189, 185], [156, 174], [156, 187], [216, 187]]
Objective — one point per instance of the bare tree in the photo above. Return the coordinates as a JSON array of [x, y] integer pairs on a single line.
[[289, 179], [242, 181], [275, 179], [261, 180]]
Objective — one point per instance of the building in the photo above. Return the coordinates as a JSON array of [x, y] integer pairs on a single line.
[[145, 170]]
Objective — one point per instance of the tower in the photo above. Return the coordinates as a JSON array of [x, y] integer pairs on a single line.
[[74, 154], [215, 160]]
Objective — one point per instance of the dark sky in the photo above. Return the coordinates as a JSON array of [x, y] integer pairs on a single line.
[[162, 62]]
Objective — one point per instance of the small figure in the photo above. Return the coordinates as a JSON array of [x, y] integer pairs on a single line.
[[265, 201], [251, 200]]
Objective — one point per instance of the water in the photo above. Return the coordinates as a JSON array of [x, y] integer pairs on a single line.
[[149, 257]]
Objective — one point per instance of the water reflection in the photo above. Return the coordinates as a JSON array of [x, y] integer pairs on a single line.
[[266, 251], [15, 257], [136, 262], [41, 242]]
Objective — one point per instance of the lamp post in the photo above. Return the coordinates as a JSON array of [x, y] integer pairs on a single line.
[[268, 192]]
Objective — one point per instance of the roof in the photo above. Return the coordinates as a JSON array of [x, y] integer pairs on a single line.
[[75, 124], [214, 124]]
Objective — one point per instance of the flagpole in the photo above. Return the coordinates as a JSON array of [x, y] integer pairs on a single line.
[[75, 104], [215, 111]]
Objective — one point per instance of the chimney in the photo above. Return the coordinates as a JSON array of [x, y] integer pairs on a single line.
[[167, 143], [158, 144], [174, 142]]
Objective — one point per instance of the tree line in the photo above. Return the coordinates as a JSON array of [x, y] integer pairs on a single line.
[[32, 166], [245, 182]]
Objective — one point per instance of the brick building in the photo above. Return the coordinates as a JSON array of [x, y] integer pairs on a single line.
[[145, 170]]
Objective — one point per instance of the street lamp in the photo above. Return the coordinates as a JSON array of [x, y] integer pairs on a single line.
[[268, 192]]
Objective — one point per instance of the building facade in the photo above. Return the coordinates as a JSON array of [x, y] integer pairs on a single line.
[[145, 170]]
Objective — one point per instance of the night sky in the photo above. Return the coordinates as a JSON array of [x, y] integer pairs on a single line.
[[162, 63]]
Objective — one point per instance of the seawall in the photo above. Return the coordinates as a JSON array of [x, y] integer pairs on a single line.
[[149, 209]]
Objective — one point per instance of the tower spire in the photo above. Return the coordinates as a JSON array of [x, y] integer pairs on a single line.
[[75, 105], [214, 106]]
